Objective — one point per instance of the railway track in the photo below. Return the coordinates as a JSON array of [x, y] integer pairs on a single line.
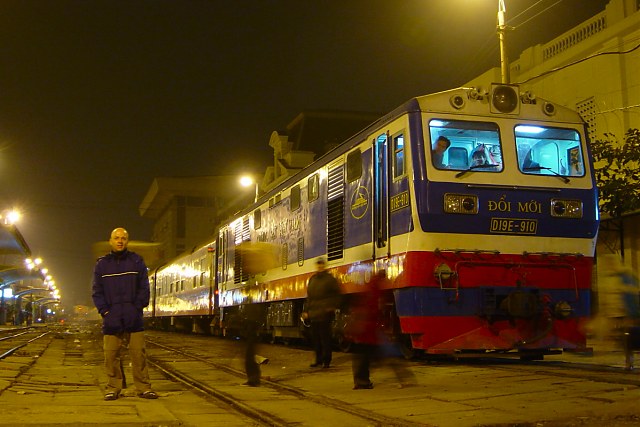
[[220, 380], [475, 392], [16, 339]]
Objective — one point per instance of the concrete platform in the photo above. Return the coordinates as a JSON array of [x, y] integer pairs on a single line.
[[65, 386]]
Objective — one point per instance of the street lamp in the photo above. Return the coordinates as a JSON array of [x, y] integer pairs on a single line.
[[33, 264], [10, 217], [248, 181]]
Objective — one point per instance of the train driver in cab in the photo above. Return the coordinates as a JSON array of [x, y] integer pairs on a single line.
[[481, 157], [437, 153]]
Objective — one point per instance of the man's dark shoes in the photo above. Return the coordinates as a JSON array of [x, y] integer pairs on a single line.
[[252, 383], [314, 365], [149, 395], [325, 366], [111, 396], [366, 386]]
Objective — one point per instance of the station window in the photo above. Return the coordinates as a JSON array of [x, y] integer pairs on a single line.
[[257, 219]]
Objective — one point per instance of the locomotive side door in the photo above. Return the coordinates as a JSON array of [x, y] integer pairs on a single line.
[[391, 213], [380, 192]]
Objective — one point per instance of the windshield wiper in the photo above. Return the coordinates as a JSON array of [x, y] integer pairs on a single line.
[[539, 168], [464, 172]]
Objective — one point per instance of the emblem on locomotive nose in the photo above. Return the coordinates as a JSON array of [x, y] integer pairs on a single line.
[[359, 202]]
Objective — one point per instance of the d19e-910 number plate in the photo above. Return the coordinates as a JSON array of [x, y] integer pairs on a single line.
[[514, 226]]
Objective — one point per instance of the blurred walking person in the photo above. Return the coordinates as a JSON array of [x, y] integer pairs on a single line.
[[364, 319], [252, 316], [256, 258], [618, 319], [323, 298], [369, 343]]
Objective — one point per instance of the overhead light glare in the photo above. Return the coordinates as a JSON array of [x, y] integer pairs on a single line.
[[529, 129]]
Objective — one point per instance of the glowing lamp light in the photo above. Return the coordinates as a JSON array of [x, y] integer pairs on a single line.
[[10, 217], [247, 181]]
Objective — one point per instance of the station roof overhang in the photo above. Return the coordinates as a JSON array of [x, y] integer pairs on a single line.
[[10, 274], [12, 242]]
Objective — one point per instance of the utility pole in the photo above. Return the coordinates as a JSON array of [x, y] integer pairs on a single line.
[[502, 29]]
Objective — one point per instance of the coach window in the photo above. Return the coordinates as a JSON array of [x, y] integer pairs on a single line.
[[295, 198], [257, 219], [313, 187], [398, 156], [354, 165]]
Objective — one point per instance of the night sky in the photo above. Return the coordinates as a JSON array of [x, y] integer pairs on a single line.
[[99, 97]]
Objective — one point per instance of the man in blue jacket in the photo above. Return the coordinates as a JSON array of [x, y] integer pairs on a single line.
[[120, 293]]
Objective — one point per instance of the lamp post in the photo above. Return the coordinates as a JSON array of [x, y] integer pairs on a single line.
[[502, 29], [247, 181]]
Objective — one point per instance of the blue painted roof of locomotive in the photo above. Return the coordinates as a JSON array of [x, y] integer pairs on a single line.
[[412, 105]]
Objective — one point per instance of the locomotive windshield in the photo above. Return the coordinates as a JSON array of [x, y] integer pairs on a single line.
[[465, 145], [477, 146], [549, 151]]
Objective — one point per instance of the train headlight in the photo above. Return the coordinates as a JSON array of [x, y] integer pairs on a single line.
[[566, 208], [504, 99], [562, 310], [460, 203]]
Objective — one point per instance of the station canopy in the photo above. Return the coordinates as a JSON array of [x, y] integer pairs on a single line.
[[13, 252]]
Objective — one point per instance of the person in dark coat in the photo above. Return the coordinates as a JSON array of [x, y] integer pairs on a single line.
[[120, 293], [323, 298], [253, 315]]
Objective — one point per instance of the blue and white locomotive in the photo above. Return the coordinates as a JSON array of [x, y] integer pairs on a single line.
[[488, 249]]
